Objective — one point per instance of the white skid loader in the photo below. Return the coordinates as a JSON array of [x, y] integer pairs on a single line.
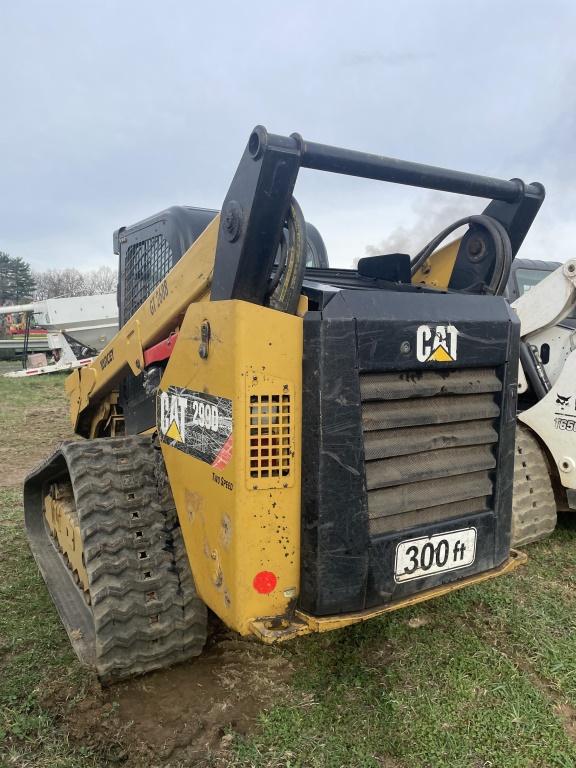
[[544, 297]]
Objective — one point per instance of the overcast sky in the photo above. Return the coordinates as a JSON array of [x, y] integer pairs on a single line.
[[111, 111]]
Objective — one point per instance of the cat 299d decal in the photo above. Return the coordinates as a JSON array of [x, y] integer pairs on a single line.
[[196, 423]]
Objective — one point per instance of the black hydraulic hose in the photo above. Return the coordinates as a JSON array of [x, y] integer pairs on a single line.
[[286, 282], [502, 248], [281, 265], [534, 371]]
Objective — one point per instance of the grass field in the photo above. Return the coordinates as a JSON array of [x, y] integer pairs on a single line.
[[484, 678]]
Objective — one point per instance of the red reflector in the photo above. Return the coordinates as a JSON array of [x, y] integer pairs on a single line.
[[264, 582]]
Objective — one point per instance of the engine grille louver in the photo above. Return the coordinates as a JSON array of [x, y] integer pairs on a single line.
[[430, 445]]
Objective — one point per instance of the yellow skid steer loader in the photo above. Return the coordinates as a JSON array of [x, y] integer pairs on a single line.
[[296, 448]]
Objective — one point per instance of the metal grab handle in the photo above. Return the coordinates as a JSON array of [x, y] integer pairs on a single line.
[[322, 157]]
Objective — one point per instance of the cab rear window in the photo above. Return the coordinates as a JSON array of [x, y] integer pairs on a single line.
[[528, 278]]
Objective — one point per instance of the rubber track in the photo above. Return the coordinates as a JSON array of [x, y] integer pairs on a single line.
[[533, 506], [146, 612]]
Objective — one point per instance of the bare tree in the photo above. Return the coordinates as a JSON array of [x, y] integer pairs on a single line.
[[59, 282], [101, 280], [62, 283]]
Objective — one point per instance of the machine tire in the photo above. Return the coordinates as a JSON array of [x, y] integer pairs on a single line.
[[534, 506], [144, 611]]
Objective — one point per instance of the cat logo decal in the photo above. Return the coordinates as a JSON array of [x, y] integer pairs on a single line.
[[437, 343]]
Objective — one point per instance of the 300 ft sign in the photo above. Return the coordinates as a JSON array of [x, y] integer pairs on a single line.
[[416, 558]]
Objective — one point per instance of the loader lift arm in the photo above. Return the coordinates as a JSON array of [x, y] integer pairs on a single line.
[[234, 257]]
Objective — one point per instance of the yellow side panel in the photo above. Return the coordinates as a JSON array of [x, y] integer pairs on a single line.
[[437, 269], [229, 418]]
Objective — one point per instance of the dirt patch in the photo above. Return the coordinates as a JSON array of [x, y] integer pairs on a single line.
[[186, 712], [40, 432], [185, 715], [90, 719]]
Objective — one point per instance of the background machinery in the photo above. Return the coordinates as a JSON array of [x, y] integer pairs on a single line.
[[543, 294], [70, 330], [295, 449]]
